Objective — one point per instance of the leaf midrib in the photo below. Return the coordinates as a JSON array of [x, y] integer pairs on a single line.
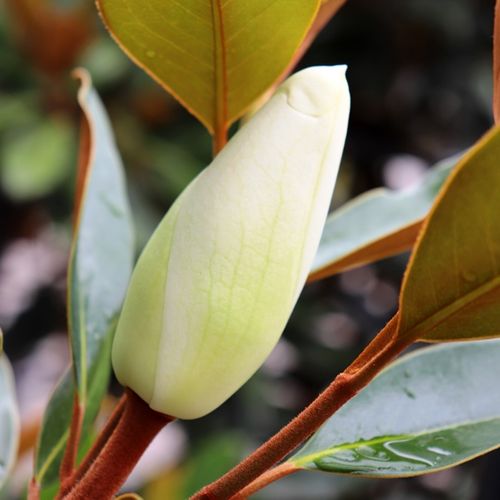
[[220, 65]]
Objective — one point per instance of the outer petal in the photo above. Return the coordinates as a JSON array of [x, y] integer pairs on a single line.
[[244, 237], [140, 327]]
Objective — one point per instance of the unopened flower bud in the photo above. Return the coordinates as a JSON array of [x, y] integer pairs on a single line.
[[217, 282]]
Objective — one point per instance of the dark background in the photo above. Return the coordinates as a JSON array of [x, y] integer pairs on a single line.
[[420, 79]]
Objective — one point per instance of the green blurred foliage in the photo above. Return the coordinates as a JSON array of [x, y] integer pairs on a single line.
[[36, 160]]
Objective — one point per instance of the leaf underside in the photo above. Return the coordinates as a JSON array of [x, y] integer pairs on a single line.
[[99, 271], [215, 56], [377, 224], [9, 419]]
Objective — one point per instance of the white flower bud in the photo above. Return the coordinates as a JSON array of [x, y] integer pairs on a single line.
[[217, 282]]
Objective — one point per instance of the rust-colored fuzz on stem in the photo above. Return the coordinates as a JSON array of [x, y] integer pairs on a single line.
[[496, 64], [33, 490], [383, 349], [69, 459], [267, 478], [93, 453], [135, 428]]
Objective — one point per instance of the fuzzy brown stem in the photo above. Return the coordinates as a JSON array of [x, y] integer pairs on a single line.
[[69, 459], [135, 429], [342, 389], [98, 445], [496, 64], [265, 479], [381, 342], [33, 490]]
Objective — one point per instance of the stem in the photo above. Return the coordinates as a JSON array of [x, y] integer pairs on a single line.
[[97, 447], [69, 459], [136, 428], [219, 139], [382, 341], [265, 479], [496, 64], [346, 385], [33, 490]]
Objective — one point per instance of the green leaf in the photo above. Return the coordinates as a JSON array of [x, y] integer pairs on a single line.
[[37, 159], [19, 110], [102, 252], [100, 267], [451, 289], [9, 419], [57, 418], [377, 224], [216, 57], [430, 410], [54, 432]]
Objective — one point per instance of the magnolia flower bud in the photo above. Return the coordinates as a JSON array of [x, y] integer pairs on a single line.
[[217, 282]]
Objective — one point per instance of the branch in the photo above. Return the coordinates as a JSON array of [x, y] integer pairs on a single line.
[[266, 479], [69, 459], [136, 426], [383, 349], [68, 482]]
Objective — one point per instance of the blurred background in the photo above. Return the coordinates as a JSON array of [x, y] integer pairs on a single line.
[[420, 78]]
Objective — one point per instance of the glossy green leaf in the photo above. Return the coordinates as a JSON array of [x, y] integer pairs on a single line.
[[37, 159], [100, 267], [451, 289], [215, 56], [430, 410], [54, 431], [57, 417], [9, 419], [377, 224], [102, 252]]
